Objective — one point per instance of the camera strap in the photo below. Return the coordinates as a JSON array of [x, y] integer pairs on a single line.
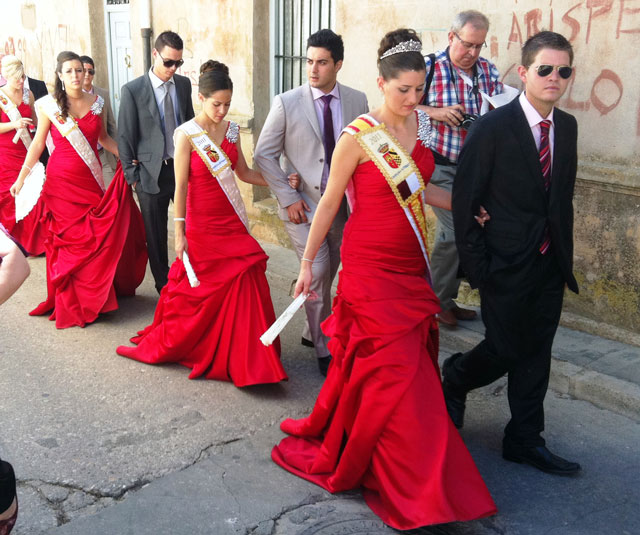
[[472, 82]]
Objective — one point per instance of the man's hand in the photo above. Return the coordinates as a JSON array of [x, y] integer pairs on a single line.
[[294, 180], [451, 115], [296, 212]]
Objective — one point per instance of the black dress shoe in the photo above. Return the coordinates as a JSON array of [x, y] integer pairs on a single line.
[[453, 398], [541, 458], [323, 364], [306, 342], [455, 403]]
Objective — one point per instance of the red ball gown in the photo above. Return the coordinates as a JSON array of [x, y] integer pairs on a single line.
[[380, 421], [29, 232], [214, 328], [95, 244]]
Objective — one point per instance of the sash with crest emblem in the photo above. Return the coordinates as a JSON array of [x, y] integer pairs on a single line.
[[69, 129], [218, 164], [399, 170]]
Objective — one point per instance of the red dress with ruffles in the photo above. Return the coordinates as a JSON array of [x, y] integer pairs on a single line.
[[95, 244], [214, 328], [380, 421], [29, 232]]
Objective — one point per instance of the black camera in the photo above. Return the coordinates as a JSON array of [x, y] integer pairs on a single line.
[[467, 120]]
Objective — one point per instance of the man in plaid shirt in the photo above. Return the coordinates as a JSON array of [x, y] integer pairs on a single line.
[[453, 101]]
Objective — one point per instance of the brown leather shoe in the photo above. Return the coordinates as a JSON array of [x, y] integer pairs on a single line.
[[463, 314], [447, 317]]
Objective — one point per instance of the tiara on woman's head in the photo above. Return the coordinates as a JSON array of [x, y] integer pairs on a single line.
[[405, 46]]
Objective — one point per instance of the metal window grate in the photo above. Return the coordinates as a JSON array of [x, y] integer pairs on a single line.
[[296, 20]]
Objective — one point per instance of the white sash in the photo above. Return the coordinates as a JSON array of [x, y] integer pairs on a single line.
[[399, 170], [218, 164], [69, 129], [7, 106]]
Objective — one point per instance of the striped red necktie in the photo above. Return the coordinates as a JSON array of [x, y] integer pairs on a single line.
[[545, 164]]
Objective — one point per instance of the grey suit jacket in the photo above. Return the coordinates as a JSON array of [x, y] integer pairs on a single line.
[[111, 122], [140, 135], [292, 130]]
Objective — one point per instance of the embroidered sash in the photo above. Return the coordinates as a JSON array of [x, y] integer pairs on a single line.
[[69, 129], [7, 106], [218, 164], [399, 170]]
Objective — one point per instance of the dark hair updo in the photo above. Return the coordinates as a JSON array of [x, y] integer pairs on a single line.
[[391, 66], [214, 76], [59, 93]]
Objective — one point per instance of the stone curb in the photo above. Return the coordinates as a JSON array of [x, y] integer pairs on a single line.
[[603, 391]]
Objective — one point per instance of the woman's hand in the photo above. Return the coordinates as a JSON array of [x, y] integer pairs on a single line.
[[482, 217], [181, 244], [303, 284], [16, 187], [23, 122]]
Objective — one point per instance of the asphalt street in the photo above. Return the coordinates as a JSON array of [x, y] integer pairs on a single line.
[[105, 445]]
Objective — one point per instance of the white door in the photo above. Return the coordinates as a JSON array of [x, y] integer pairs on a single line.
[[119, 47]]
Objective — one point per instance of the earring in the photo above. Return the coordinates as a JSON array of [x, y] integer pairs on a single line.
[[62, 85]]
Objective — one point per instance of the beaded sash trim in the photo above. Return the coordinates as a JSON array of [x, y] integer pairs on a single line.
[[11, 110], [217, 162], [69, 129], [399, 170]]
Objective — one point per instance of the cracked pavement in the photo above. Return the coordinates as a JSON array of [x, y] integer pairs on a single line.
[[105, 445]]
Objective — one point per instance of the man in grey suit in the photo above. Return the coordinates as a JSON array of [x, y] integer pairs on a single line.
[[303, 126], [151, 107], [89, 87]]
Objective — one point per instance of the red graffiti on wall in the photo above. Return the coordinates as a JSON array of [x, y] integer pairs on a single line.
[[579, 22], [534, 20]]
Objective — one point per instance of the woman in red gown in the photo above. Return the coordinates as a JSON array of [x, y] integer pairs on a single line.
[[28, 231], [95, 242], [380, 420], [213, 328]]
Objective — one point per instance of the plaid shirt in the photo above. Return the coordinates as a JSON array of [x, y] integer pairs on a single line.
[[447, 140]]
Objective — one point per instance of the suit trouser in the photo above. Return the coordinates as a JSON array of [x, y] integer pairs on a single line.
[[154, 208], [521, 312], [444, 257], [325, 266]]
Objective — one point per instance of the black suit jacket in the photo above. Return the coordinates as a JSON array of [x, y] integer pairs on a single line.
[[140, 135], [499, 168], [39, 89]]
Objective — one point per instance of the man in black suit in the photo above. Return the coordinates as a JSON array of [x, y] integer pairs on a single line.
[[519, 162], [39, 90], [151, 107]]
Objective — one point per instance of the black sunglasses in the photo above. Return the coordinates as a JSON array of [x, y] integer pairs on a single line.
[[90, 71], [563, 70], [168, 63]]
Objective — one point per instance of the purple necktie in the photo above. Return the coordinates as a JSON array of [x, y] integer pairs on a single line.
[[329, 139], [545, 165]]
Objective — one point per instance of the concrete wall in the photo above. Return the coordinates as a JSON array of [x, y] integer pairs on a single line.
[[604, 96]]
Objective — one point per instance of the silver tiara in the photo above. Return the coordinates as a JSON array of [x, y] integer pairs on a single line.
[[405, 46]]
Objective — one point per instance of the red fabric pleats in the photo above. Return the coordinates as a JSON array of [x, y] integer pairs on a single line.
[[214, 328], [29, 232], [95, 248], [380, 421]]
